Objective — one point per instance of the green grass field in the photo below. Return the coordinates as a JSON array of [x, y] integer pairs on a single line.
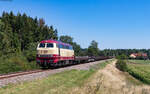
[[59, 83], [140, 61], [140, 69]]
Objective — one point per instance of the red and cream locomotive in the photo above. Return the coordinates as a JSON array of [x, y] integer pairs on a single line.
[[54, 53]]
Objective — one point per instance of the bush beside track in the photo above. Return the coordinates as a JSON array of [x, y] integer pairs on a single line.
[[140, 69], [121, 63], [15, 63]]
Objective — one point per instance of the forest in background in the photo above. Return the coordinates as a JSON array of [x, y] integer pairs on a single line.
[[20, 34]]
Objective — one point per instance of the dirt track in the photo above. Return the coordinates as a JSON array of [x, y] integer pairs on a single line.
[[112, 81]]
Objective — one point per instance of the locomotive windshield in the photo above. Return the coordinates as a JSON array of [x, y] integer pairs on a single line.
[[47, 45], [42, 45], [50, 45]]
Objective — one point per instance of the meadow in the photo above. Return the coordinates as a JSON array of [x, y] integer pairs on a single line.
[[140, 69]]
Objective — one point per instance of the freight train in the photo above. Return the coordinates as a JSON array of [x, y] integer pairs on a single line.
[[52, 53]]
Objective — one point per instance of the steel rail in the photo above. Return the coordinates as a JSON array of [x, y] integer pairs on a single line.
[[19, 74]]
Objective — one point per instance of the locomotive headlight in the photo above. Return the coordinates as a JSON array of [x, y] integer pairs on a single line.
[[38, 55]]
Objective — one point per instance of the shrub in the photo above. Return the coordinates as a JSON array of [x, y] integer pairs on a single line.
[[30, 55], [121, 65], [15, 63], [121, 57], [33, 65]]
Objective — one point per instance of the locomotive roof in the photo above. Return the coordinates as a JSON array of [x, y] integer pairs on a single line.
[[54, 41]]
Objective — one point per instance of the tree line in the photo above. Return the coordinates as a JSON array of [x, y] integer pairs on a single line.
[[20, 34], [127, 52], [93, 49]]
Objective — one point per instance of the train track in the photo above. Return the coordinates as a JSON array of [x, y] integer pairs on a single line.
[[13, 78], [5, 76], [10, 75]]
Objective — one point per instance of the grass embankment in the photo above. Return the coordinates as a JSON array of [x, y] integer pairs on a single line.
[[60, 83], [15, 63], [139, 69]]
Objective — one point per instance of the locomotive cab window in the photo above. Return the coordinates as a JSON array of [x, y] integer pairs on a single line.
[[67, 47], [70, 47], [42, 45], [60, 46], [50, 45]]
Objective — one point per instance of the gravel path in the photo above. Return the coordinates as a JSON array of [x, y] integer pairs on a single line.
[[110, 80], [31, 77]]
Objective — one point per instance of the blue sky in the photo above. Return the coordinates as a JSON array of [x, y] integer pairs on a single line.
[[112, 23]]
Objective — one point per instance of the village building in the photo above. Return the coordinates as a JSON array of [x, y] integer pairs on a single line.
[[135, 55]]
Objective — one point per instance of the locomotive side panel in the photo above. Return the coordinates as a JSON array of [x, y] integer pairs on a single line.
[[66, 52]]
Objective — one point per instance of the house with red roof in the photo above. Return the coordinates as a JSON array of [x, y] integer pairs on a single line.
[[136, 55]]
